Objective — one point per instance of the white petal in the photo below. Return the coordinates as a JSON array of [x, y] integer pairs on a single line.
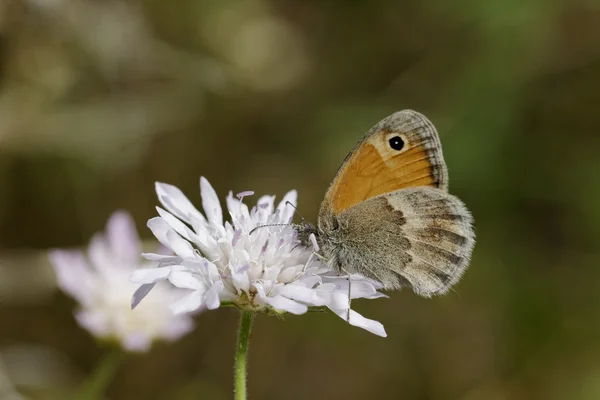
[[202, 266], [225, 245], [193, 263], [286, 210], [137, 342], [149, 275], [288, 274], [100, 255], [271, 273], [358, 320], [176, 202], [367, 324], [159, 228], [212, 296], [180, 246], [213, 271], [260, 290], [241, 281], [176, 224], [265, 206], [358, 288], [178, 327], [361, 287], [339, 300], [303, 294], [210, 203], [95, 321], [123, 238], [313, 241], [284, 304], [140, 293], [233, 205], [165, 260], [377, 295], [202, 239], [188, 303], [73, 275], [198, 224], [311, 281], [186, 280], [211, 250], [326, 287]]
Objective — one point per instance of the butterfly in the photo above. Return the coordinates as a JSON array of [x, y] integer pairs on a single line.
[[387, 214]]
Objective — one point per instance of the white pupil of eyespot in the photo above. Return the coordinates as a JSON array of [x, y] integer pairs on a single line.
[[396, 143]]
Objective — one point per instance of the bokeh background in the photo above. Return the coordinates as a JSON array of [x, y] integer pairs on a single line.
[[100, 99]]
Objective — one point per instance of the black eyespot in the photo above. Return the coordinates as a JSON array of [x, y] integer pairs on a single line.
[[397, 143]]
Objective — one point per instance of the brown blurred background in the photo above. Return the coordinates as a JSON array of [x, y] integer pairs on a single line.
[[100, 98]]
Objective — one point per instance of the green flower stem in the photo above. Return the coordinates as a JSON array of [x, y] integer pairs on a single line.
[[94, 386], [241, 354]]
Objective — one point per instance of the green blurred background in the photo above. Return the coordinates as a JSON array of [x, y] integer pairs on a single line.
[[100, 99]]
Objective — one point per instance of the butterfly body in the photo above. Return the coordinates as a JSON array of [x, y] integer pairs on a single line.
[[387, 214]]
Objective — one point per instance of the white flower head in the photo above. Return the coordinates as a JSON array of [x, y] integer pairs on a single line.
[[261, 269], [100, 283]]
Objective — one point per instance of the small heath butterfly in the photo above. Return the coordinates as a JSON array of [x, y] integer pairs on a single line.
[[387, 214]]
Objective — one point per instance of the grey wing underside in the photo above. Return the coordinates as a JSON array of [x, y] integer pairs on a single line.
[[419, 237]]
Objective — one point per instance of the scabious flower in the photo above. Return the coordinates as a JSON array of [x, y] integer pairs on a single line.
[[231, 262], [100, 283]]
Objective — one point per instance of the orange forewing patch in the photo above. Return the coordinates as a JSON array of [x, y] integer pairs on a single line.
[[369, 173]]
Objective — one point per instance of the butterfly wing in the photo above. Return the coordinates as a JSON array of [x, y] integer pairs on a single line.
[[401, 151], [388, 215], [417, 237]]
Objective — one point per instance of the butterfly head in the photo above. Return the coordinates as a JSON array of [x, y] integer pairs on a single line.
[[304, 231]]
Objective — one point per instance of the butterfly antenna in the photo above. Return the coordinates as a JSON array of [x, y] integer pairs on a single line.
[[295, 210], [289, 203], [266, 225]]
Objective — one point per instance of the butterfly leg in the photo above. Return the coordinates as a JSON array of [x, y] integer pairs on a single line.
[[299, 274], [313, 254], [349, 294]]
